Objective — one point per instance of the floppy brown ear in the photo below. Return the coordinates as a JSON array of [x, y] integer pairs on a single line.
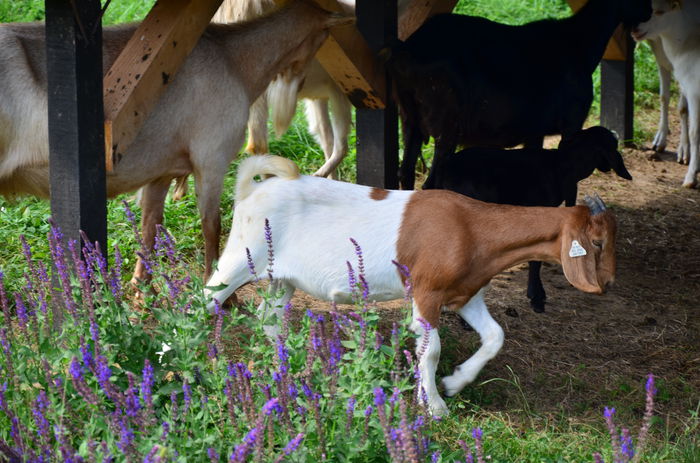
[[579, 270]]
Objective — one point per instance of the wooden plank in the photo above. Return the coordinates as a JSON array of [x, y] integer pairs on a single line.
[[350, 61], [617, 47], [76, 161], [617, 94], [377, 129], [418, 11], [147, 65]]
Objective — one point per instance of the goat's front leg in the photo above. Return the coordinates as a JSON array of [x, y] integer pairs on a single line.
[[412, 146], [477, 315], [280, 294], [208, 196], [535, 290], [665, 96], [152, 204], [428, 354]]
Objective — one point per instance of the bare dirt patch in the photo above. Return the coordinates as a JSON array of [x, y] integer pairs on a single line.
[[589, 351]]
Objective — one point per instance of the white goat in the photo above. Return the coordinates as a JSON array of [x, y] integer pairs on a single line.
[[677, 24], [665, 70], [453, 245], [197, 126]]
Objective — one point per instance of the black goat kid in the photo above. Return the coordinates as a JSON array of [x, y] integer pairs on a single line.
[[529, 177], [468, 81]]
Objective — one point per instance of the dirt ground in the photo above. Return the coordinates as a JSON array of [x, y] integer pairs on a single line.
[[589, 351]]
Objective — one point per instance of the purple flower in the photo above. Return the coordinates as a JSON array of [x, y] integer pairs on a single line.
[[166, 430], [147, 382], [187, 395], [126, 436], [86, 352], [293, 444], [251, 265], [435, 457], [272, 405], [369, 410], [132, 400], [270, 250], [41, 406], [379, 397], [283, 356], [76, 370], [242, 450], [22, 314], [213, 455], [352, 282]]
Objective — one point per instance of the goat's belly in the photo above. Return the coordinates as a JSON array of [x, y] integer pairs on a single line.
[[340, 292]]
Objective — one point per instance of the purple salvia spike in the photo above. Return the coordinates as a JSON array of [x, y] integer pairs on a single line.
[[598, 458], [22, 315], [360, 260], [617, 451], [646, 420], [290, 448], [352, 282], [251, 265], [270, 250], [478, 435]]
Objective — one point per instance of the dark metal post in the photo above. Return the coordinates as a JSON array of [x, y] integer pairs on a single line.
[[76, 118], [617, 93], [377, 129]]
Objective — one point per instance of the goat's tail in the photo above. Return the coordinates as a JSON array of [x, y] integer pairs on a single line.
[[282, 98], [263, 166], [232, 11]]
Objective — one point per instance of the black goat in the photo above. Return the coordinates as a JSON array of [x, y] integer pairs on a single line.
[[469, 81], [529, 177]]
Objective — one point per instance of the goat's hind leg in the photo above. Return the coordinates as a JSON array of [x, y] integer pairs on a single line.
[[690, 180], [152, 203], [428, 354], [477, 315]]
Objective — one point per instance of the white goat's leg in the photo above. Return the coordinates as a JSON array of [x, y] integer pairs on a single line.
[[428, 353], [660, 140], [320, 127], [152, 202], [257, 126], [341, 110], [684, 142], [477, 315], [690, 180], [275, 306]]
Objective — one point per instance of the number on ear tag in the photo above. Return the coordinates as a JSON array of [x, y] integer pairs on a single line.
[[576, 249]]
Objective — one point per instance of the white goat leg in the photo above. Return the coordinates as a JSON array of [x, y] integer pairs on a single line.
[[341, 121], [320, 127], [477, 315], [275, 306], [660, 139], [427, 364], [690, 180]]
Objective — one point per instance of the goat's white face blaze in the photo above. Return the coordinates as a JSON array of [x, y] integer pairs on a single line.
[[453, 245]]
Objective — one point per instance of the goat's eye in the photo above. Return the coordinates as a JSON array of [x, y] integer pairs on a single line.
[[598, 243]]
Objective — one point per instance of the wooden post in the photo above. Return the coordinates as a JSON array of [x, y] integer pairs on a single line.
[[377, 129], [76, 137], [617, 92]]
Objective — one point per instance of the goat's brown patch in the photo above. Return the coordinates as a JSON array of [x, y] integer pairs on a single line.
[[454, 245], [378, 194]]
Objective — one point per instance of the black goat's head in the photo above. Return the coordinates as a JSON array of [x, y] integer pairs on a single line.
[[600, 144], [633, 12]]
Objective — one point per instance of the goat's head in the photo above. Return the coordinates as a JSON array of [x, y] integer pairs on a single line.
[[666, 14], [599, 144], [316, 23], [634, 11], [588, 247]]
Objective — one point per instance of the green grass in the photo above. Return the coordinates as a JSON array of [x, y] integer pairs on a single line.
[[532, 438]]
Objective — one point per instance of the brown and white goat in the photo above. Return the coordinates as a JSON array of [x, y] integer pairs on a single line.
[[452, 245], [197, 126]]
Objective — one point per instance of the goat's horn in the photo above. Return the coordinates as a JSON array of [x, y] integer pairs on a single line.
[[595, 204]]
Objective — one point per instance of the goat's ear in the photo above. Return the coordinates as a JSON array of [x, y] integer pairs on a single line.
[[618, 164], [579, 268], [676, 4]]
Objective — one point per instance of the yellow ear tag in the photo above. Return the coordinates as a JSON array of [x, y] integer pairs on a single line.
[[576, 249]]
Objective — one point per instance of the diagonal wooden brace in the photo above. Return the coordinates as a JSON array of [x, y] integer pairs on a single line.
[[147, 65]]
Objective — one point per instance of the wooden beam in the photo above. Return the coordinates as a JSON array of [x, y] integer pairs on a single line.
[[76, 160], [418, 11], [617, 47], [147, 65], [350, 61], [377, 129]]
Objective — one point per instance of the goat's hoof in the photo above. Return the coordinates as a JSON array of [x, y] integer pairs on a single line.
[[438, 407], [659, 148], [453, 384], [690, 184], [537, 306]]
